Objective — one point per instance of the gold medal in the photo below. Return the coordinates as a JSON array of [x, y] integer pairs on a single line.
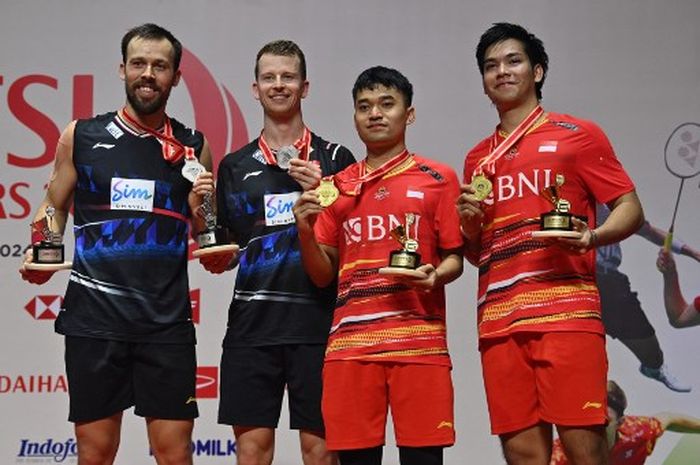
[[482, 187], [327, 192]]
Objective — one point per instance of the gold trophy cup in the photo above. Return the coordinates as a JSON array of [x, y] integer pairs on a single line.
[[557, 222], [405, 260]]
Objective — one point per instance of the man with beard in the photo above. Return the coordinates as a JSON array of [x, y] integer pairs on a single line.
[[129, 337]]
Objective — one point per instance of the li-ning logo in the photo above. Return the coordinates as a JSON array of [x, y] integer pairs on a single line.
[[445, 424], [251, 174], [591, 405], [102, 145], [48, 449]]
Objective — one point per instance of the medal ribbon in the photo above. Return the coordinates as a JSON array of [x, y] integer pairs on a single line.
[[173, 149], [353, 186], [498, 150], [303, 145]]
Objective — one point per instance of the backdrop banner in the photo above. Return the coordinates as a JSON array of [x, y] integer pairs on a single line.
[[631, 66]]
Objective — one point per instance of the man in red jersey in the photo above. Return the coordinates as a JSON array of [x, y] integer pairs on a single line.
[[631, 439], [541, 338], [387, 345]]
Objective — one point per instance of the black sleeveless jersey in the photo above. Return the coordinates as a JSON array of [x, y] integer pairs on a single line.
[[129, 279], [274, 301]]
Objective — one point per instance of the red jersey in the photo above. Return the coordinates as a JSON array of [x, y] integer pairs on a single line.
[[524, 285], [376, 317], [636, 438]]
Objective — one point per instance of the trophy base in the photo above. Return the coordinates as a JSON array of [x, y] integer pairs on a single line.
[[49, 266], [556, 233], [213, 237], [216, 250], [48, 253], [403, 272], [555, 220], [404, 259]]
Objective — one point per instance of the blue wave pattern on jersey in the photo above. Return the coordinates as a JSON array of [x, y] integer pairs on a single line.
[[128, 238], [264, 254]]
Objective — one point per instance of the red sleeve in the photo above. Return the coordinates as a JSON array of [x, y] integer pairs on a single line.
[[599, 168]]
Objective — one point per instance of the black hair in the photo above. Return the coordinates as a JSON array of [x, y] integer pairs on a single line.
[[150, 31], [534, 48], [383, 76]]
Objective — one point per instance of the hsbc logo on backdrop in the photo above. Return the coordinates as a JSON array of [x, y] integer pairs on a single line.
[[44, 307], [207, 383], [216, 114]]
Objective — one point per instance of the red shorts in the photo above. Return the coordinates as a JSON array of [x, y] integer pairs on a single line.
[[356, 397], [558, 378]]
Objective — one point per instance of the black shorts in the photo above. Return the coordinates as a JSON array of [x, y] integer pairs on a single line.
[[622, 312], [253, 381], [106, 377]]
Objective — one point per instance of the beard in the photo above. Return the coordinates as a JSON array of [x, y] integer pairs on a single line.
[[145, 108]]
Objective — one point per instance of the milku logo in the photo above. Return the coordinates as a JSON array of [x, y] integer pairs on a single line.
[[55, 450], [213, 448]]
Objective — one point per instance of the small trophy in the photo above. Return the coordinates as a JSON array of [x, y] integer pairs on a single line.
[[557, 222], [403, 262], [49, 250], [559, 218], [406, 257], [214, 239], [213, 234]]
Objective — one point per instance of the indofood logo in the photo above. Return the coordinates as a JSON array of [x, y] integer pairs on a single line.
[[47, 451]]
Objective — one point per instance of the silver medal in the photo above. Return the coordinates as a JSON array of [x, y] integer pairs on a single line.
[[191, 169], [285, 154]]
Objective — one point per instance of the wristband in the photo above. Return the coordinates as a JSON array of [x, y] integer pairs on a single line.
[[677, 246], [594, 238]]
